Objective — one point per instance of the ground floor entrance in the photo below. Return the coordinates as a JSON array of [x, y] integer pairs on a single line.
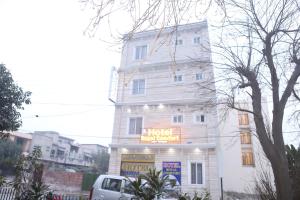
[[194, 169]]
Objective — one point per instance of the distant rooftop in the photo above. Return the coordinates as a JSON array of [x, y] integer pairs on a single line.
[[94, 144], [54, 133]]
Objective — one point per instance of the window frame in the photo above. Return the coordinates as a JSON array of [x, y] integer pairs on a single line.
[[177, 115], [135, 52], [128, 126], [202, 76], [244, 151], [199, 114], [132, 86], [198, 38], [190, 172], [108, 188], [244, 136], [179, 44], [175, 78], [240, 120]]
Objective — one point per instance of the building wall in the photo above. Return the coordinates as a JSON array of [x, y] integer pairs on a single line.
[[236, 176], [160, 80], [23, 139], [191, 132], [52, 142], [164, 60], [60, 181], [162, 48]]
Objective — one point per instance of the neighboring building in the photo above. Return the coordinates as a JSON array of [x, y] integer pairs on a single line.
[[94, 148], [22, 139], [58, 149], [242, 159], [165, 115]]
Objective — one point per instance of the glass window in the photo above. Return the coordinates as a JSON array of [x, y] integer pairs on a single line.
[[199, 76], [138, 86], [243, 119], [247, 157], [111, 184], [140, 52], [196, 173], [128, 188], [178, 78], [245, 138], [196, 40], [199, 118], [135, 125], [179, 42], [20, 141], [177, 119], [52, 154]]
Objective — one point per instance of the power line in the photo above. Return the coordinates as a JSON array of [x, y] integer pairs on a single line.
[[195, 137]]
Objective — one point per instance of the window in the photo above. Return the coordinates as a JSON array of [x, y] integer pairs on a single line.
[[196, 40], [245, 138], [127, 188], [111, 184], [135, 125], [178, 78], [60, 154], [138, 86], [247, 157], [196, 173], [199, 76], [20, 141], [243, 119], [179, 42], [199, 118], [140, 52], [52, 154], [177, 119]]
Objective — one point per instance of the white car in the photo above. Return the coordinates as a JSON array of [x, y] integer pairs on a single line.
[[110, 187]]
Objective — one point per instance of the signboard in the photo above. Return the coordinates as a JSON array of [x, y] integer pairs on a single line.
[[173, 170], [134, 164], [138, 157], [161, 135]]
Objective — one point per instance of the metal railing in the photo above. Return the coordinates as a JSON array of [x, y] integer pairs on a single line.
[[7, 193]]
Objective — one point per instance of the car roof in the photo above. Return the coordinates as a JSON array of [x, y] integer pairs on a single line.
[[113, 176]]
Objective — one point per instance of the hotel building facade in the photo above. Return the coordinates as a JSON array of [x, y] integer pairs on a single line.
[[166, 115]]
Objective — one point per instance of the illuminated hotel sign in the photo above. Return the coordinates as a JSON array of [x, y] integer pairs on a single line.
[[161, 135], [134, 164]]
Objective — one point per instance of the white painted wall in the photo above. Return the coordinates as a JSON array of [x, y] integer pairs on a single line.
[[186, 98], [237, 177]]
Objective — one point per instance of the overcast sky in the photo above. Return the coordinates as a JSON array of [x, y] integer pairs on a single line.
[[43, 45]]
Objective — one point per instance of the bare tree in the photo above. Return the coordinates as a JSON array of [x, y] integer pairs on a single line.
[[264, 60]]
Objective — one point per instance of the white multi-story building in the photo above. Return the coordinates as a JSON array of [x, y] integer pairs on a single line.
[[166, 115]]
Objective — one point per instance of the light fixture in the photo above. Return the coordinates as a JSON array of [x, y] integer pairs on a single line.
[[160, 106], [197, 150], [146, 107], [124, 150], [128, 110], [171, 150]]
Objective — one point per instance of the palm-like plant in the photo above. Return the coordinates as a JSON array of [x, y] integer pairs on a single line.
[[139, 189], [149, 186], [155, 181]]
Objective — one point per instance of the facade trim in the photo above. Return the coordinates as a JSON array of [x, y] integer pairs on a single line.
[[163, 146]]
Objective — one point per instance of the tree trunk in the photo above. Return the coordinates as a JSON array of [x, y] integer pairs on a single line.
[[281, 176]]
